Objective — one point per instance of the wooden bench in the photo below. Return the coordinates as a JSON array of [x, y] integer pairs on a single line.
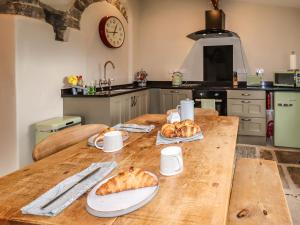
[[257, 196]]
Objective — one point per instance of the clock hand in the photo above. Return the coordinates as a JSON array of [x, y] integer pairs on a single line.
[[115, 30]]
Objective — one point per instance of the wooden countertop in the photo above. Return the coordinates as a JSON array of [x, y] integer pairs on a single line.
[[199, 195]]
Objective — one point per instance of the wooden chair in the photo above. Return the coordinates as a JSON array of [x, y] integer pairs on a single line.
[[257, 195], [64, 139]]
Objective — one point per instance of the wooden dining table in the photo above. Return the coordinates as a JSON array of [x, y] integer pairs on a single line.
[[198, 195]]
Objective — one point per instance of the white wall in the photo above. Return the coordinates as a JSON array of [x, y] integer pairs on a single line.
[[268, 34], [134, 36], [8, 153], [96, 53], [42, 63]]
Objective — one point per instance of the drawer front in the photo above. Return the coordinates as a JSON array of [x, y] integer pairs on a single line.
[[252, 126], [260, 95], [246, 108]]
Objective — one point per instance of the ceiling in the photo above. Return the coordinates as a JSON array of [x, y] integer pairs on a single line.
[[66, 4], [288, 3]]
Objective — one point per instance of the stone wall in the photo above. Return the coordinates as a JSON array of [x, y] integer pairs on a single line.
[[60, 20]]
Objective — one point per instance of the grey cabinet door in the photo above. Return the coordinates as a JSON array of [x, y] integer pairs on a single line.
[[252, 126], [116, 110], [246, 108], [244, 94], [154, 101], [127, 107], [181, 95], [143, 103], [166, 100], [170, 98], [139, 103]]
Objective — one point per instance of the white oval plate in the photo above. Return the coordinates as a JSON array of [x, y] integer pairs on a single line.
[[100, 143], [121, 203]]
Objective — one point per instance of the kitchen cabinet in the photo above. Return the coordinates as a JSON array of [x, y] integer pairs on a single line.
[[154, 101], [287, 120], [139, 103], [117, 110], [247, 108], [108, 110], [250, 106], [170, 98]]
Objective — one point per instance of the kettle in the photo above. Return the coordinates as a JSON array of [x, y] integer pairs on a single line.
[[177, 79]]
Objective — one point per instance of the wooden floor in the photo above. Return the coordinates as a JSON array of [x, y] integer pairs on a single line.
[[288, 161]]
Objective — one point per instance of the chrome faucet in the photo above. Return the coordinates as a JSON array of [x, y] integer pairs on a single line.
[[105, 65], [109, 80]]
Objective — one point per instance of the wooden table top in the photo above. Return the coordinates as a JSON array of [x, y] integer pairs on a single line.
[[199, 195]]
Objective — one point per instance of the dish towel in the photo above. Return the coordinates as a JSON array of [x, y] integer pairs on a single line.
[[135, 128], [208, 104], [160, 140], [70, 196]]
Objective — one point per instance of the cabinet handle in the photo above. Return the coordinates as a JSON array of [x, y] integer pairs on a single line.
[[134, 100], [131, 101], [175, 92], [246, 102], [246, 120], [285, 105], [245, 94]]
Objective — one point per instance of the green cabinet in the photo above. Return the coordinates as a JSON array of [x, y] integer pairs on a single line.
[[287, 119]]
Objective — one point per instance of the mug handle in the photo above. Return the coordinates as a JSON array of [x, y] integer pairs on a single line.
[[179, 163], [178, 108], [96, 145]]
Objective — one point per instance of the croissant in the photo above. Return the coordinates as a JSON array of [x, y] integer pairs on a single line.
[[168, 130], [185, 128], [188, 131], [134, 178]]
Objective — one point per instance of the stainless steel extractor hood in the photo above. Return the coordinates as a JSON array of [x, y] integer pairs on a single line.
[[215, 26]]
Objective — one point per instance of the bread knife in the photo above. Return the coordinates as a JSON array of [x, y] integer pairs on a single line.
[[82, 179]]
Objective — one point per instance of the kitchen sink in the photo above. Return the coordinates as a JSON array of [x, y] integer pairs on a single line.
[[116, 91], [121, 90], [126, 89]]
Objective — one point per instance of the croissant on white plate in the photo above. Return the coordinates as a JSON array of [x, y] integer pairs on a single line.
[[134, 178]]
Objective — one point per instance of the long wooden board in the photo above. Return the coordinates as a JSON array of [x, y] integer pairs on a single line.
[[257, 195], [199, 195]]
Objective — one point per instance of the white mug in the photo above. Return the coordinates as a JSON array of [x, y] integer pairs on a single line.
[[171, 161], [186, 109], [112, 141]]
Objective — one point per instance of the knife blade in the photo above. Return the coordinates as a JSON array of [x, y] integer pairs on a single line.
[[61, 194], [132, 127]]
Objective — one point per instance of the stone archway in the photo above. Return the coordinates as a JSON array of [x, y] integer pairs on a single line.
[[60, 20], [75, 12]]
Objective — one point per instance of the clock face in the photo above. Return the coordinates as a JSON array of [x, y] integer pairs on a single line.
[[112, 32]]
